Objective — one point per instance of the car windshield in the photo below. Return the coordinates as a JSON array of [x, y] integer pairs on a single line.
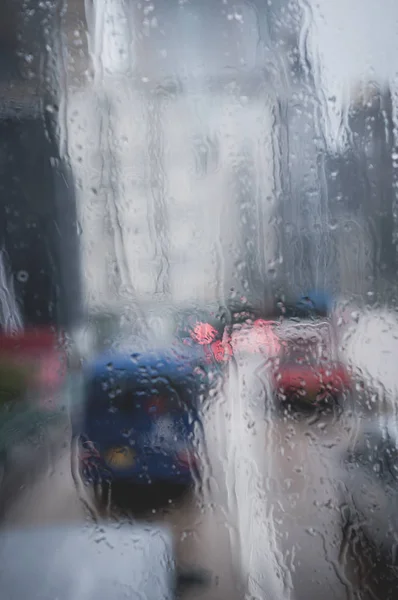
[[307, 342], [301, 310]]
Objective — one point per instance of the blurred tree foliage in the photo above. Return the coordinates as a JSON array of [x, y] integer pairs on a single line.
[[15, 379], [20, 422]]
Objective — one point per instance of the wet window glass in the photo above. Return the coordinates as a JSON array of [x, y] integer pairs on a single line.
[[198, 299]]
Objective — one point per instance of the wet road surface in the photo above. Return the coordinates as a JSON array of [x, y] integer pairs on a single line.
[[201, 538], [265, 514], [268, 519]]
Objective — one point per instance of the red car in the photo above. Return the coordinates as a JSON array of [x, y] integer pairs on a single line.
[[302, 354], [308, 368]]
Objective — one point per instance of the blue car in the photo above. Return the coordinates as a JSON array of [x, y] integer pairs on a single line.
[[140, 418]]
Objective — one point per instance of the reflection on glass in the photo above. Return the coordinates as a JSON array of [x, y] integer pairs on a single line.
[[197, 298]]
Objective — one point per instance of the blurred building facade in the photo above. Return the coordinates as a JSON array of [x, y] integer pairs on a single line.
[[176, 180], [195, 136], [307, 247], [336, 206], [360, 179], [371, 129]]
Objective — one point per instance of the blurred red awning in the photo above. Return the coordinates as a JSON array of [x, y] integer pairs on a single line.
[[30, 341]]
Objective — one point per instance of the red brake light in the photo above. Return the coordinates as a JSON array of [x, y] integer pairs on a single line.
[[222, 351], [203, 333], [218, 350], [187, 459], [157, 405]]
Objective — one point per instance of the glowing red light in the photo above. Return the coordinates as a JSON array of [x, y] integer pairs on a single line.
[[156, 405], [222, 350], [187, 459], [218, 350], [203, 333]]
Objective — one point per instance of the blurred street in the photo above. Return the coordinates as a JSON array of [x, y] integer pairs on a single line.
[[269, 510]]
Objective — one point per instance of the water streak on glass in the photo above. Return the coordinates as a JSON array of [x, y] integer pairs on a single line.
[[198, 261]]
